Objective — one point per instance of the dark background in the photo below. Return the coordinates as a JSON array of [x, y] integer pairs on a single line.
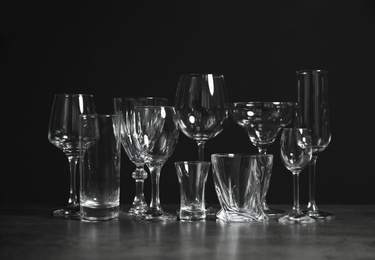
[[140, 49]]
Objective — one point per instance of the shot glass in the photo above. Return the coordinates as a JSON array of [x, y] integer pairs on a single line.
[[237, 179], [100, 150], [192, 177]]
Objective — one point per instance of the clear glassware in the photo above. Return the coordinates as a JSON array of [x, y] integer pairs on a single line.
[[155, 134], [63, 132], [201, 107], [124, 106], [313, 113], [296, 153], [262, 121]]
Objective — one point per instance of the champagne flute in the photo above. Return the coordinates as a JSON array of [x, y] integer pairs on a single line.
[[155, 135], [201, 107], [313, 113], [63, 132], [124, 106], [296, 153]]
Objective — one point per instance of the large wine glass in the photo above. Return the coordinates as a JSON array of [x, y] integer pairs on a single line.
[[296, 153], [124, 106], [201, 107], [63, 132], [313, 113], [262, 121], [155, 135]]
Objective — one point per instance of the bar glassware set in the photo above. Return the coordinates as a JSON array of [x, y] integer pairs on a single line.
[[148, 130]]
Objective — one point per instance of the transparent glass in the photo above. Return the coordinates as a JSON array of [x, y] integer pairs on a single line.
[[296, 153], [262, 121], [192, 177], [63, 132], [100, 162], [201, 107], [124, 107], [313, 113], [237, 185], [155, 135]]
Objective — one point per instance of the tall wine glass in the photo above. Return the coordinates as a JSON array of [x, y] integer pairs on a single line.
[[296, 153], [262, 121], [313, 113], [155, 135], [201, 107], [124, 106], [63, 132]]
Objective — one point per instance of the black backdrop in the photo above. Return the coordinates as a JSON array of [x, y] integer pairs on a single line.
[[138, 49]]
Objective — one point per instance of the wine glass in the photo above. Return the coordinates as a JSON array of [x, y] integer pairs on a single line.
[[296, 153], [201, 107], [262, 121], [313, 113], [155, 134], [124, 106], [63, 132]]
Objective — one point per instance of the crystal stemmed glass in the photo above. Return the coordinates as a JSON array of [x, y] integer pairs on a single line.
[[124, 106], [296, 153], [63, 132], [262, 121], [155, 134], [313, 113], [201, 107]]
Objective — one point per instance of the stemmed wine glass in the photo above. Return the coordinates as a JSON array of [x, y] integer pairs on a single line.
[[262, 121], [63, 132], [313, 113], [155, 134], [124, 106], [201, 107], [296, 153]]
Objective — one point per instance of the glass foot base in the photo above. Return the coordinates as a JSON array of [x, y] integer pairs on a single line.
[[69, 212], [319, 215], [296, 218], [133, 211], [211, 213], [160, 216], [272, 213]]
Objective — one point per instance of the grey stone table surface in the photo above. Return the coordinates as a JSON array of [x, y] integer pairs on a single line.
[[30, 232]]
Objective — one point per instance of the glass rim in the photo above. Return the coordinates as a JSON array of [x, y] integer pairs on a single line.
[[200, 75], [231, 155], [98, 115], [309, 71], [300, 128], [263, 102], [193, 162], [153, 106], [74, 94], [141, 98]]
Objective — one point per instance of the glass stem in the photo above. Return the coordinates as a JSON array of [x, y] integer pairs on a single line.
[[311, 206], [73, 199], [262, 149], [201, 150], [139, 175], [296, 207], [155, 208]]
